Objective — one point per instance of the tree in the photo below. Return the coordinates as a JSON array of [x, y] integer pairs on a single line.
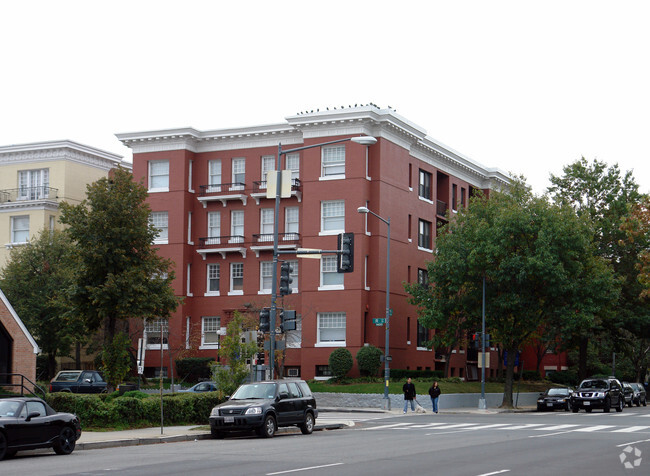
[[637, 229], [603, 196], [535, 258], [120, 275], [231, 370], [340, 362], [37, 279], [369, 360]]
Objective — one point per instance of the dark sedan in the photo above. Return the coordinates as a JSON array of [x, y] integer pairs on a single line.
[[639, 394], [30, 423], [554, 398]]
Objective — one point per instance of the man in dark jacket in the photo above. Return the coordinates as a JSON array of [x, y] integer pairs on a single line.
[[409, 395]]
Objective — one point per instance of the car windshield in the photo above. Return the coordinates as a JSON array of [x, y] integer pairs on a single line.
[[255, 390], [558, 391], [8, 408], [593, 384], [67, 376]]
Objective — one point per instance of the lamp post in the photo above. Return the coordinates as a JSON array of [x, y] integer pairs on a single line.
[[363, 140], [365, 210]]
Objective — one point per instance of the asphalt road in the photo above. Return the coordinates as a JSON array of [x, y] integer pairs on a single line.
[[443, 444]]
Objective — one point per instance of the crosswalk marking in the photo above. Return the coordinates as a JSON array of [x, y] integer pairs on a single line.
[[522, 427], [556, 427], [630, 429], [595, 428]]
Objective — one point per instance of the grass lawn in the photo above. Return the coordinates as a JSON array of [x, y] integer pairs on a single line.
[[422, 386]]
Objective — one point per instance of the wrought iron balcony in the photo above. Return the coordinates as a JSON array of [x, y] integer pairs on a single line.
[[25, 194], [441, 208]]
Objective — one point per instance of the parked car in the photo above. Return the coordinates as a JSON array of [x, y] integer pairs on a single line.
[[639, 394], [202, 387], [605, 393], [265, 406], [628, 392], [78, 381], [30, 423], [553, 398]]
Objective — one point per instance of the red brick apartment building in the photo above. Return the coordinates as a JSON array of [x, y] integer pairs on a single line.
[[208, 197]]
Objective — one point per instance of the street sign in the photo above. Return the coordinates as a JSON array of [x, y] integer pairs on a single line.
[[483, 357], [379, 321], [390, 312]]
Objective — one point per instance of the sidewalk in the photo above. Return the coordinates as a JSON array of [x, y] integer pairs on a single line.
[[171, 434]]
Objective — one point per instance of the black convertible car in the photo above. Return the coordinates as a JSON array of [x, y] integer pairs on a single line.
[[30, 423]]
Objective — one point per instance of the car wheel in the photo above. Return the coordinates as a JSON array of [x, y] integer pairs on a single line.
[[216, 434], [267, 430], [3, 446], [607, 406], [539, 408], [568, 406], [629, 404], [644, 402], [638, 402], [575, 409], [66, 442], [307, 427], [620, 406]]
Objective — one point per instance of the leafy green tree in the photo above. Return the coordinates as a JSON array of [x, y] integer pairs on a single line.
[[637, 229], [603, 196], [340, 362], [535, 259], [116, 359], [37, 280], [369, 360], [231, 370], [120, 275]]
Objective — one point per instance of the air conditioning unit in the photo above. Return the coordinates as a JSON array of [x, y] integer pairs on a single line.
[[293, 372]]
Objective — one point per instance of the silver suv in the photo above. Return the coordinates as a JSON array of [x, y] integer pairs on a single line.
[[605, 393]]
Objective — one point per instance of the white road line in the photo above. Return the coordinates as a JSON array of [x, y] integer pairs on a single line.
[[495, 425], [631, 429], [458, 425], [556, 427], [521, 427], [304, 469], [494, 472], [386, 426], [595, 428], [550, 434], [632, 443]]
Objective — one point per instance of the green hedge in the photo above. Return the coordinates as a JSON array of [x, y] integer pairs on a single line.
[[135, 410], [400, 374]]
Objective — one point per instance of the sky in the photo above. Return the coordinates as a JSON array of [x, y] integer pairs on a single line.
[[524, 86]]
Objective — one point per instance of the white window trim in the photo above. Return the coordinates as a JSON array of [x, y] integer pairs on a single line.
[[214, 345], [318, 342], [159, 189], [207, 283]]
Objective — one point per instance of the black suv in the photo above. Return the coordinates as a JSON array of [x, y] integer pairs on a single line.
[[602, 393], [265, 406]]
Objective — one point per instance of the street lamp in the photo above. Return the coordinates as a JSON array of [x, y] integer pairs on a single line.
[[365, 210], [363, 140]]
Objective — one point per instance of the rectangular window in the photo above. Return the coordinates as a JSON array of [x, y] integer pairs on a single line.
[[333, 216], [331, 328], [214, 176], [454, 198], [20, 229], [214, 228], [424, 189], [210, 327], [266, 277], [237, 278], [424, 234], [267, 218], [159, 176], [463, 197], [333, 161], [330, 279], [237, 226], [189, 228], [238, 173], [423, 336], [423, 277], [293, 164], [213, 274], [291, 223], [153, 329], [33, 184], [294, 275], [189, 175], [160, 221], [268, 164]]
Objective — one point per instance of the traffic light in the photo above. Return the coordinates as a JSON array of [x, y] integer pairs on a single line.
[[287, 320], [285, 279], [265, 320], [475, 340], [345, 258]]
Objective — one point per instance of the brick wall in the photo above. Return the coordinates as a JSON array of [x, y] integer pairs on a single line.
[[23, 359]]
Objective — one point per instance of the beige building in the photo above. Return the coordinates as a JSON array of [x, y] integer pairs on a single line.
[[35, 178]]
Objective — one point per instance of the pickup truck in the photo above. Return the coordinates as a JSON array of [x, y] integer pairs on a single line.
[[78, 381]]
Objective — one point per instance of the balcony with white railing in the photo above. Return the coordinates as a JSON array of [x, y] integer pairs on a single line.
[[28, 194], [223, 193]]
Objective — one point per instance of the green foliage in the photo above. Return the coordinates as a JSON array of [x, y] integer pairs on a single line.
[[135, 409], [340, 362], [37, 279], [232, 369], [564, 377], [194, 369], [531, 375], [116, 360], [402, 374], [369, 360], [120, 275]]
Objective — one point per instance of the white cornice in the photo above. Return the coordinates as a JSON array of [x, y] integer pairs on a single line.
[[369, 120], [60, 150]]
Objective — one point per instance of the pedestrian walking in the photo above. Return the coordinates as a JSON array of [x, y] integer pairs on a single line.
[[434, 393], [409, 395]]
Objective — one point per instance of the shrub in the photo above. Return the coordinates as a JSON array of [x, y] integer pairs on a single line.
[[369, 360], [194, 369], [531, 375], [340, 362], [564, 377], [401, 374]]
